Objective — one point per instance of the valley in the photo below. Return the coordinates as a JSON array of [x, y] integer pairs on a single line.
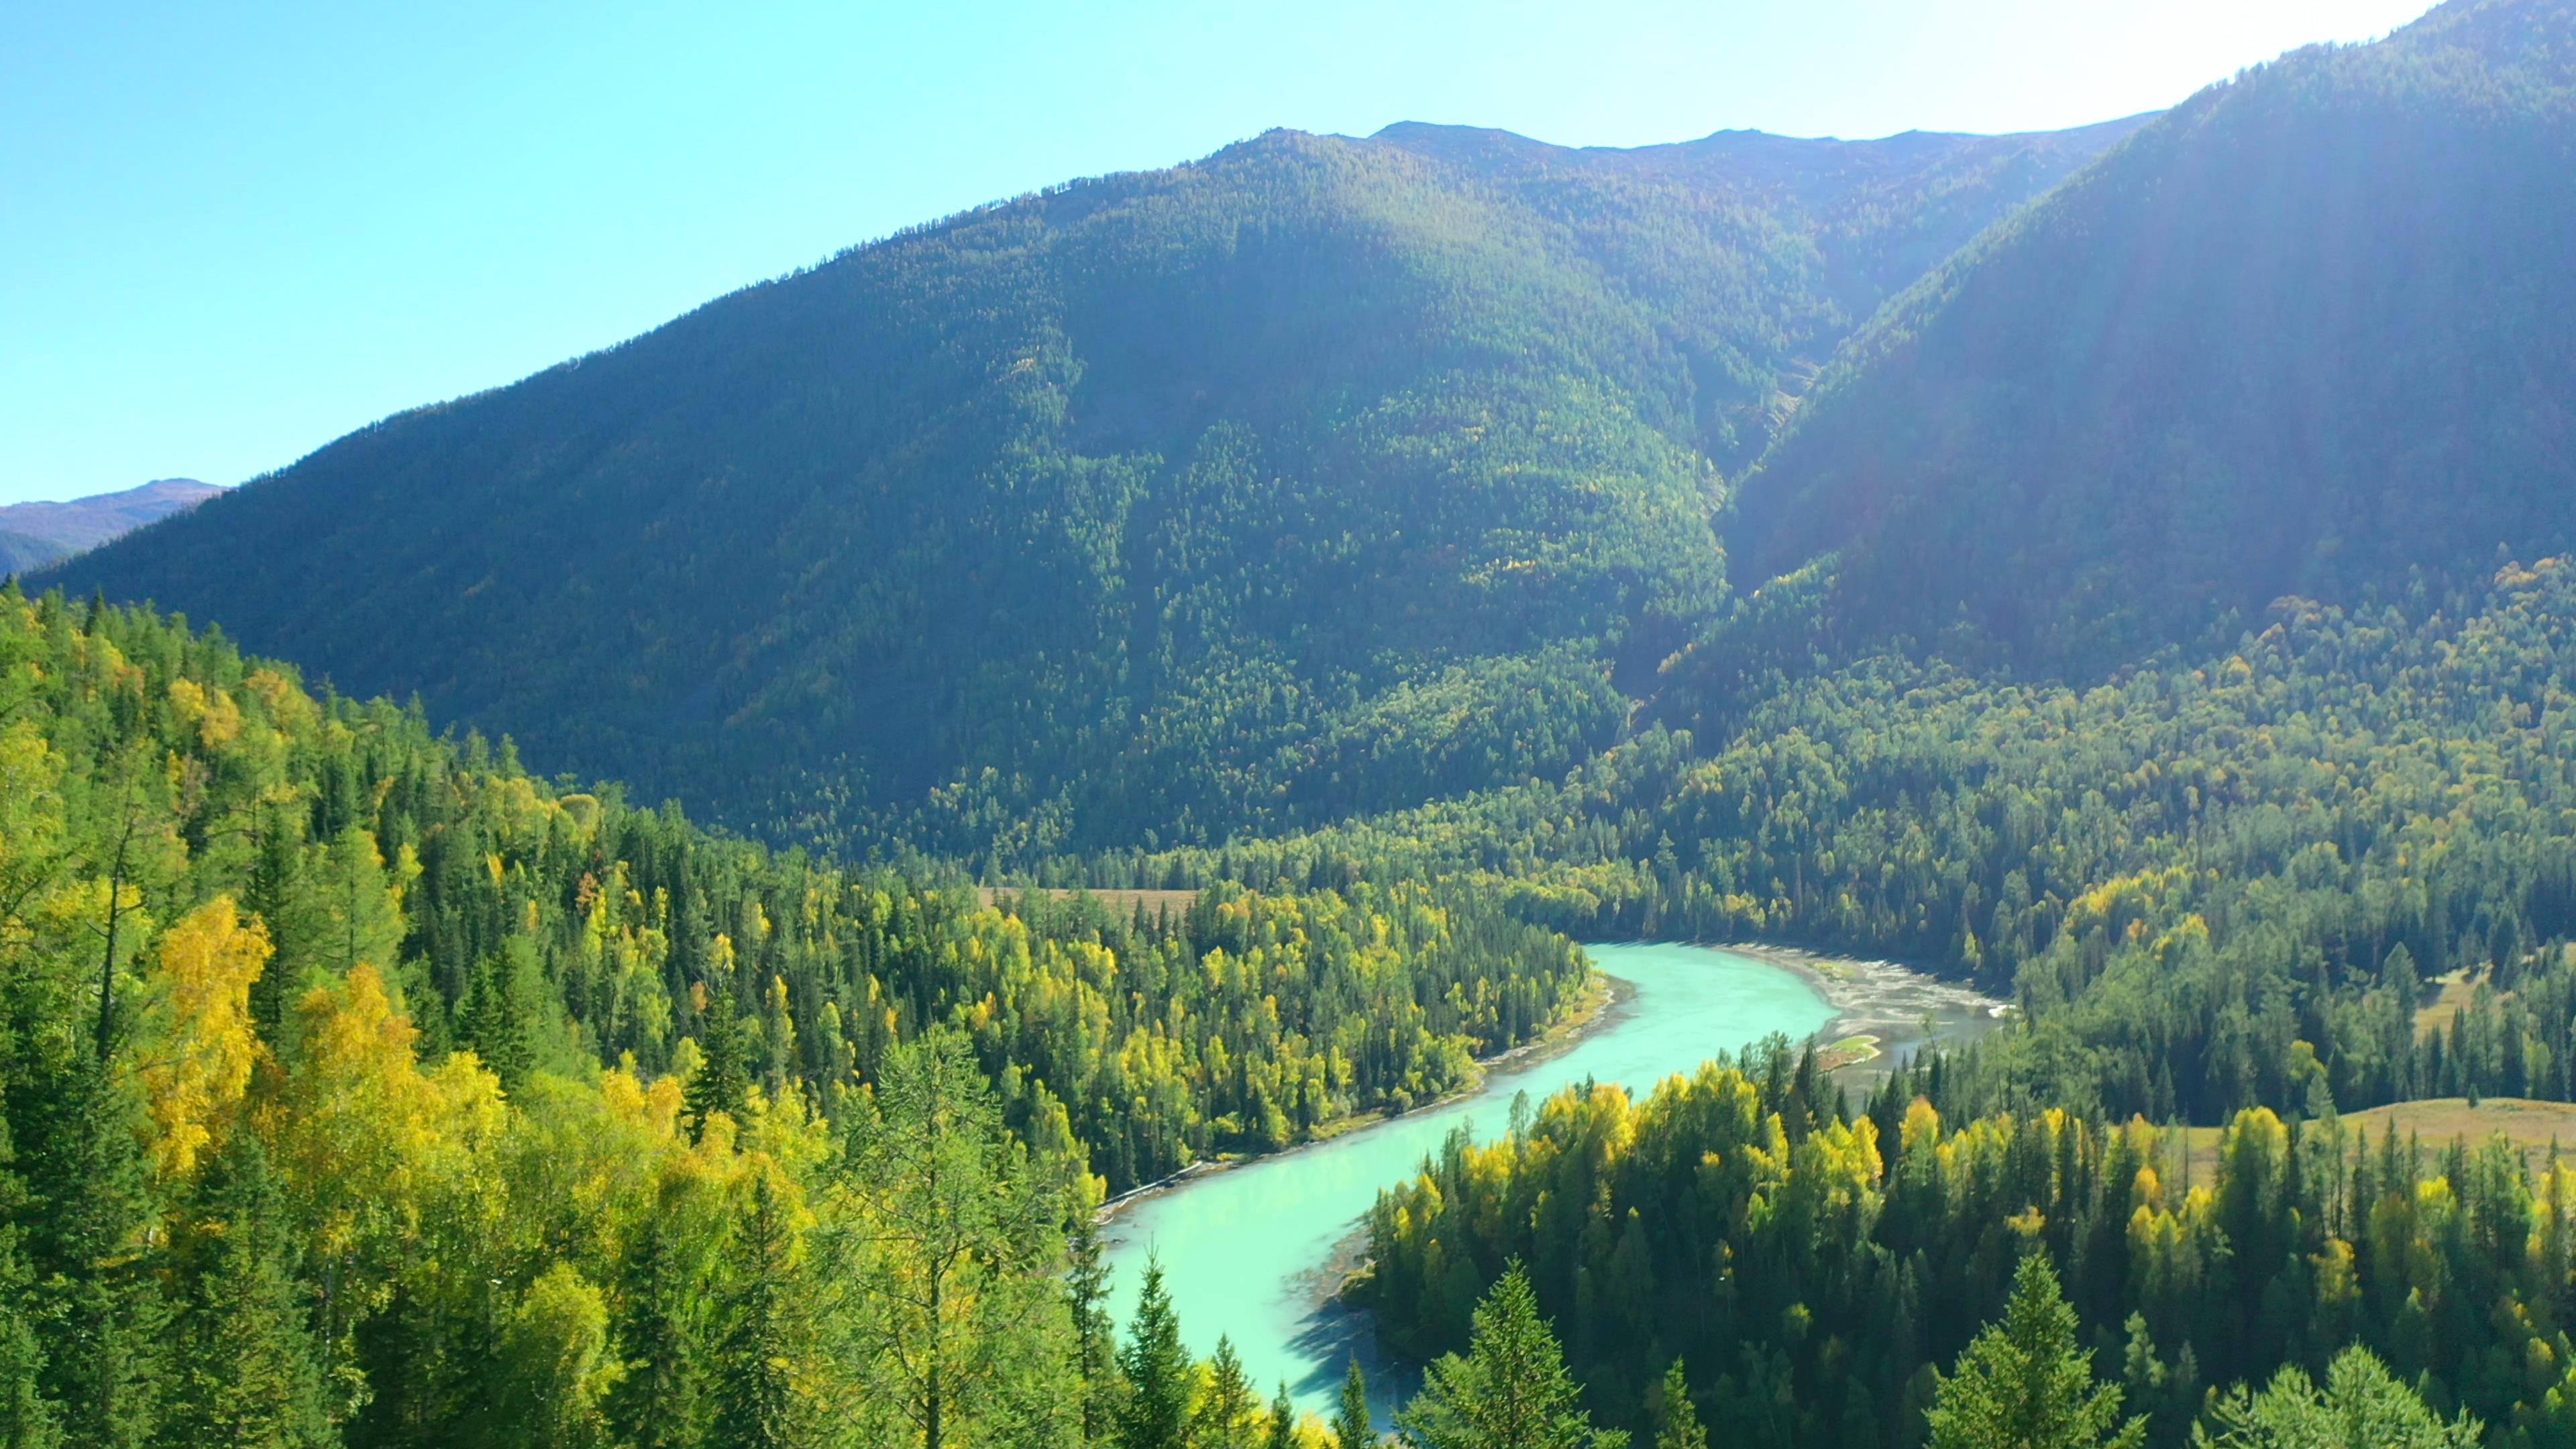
[[1251, 1252], [1909, 793]]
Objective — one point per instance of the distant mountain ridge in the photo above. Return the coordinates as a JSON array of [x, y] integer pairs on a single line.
[[1319, 475], [33, 535]]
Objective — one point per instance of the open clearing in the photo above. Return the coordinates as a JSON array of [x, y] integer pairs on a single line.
[[2435, 1122]]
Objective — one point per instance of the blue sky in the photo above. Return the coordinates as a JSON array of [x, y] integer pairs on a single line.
[[230, 234]]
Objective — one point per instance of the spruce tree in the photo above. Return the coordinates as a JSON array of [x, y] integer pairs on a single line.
[[500, 1018], [1352, 1424], [762, 1330], [247, 1371], [2026, 1383], [1228, 1405], [1283, 1414], [723, 1078], [662, 1400], [1681, 1427], [1512, 1390], [1154, 1412], [1094, 1337]]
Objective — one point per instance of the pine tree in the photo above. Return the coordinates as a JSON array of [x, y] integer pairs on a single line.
[[1681, 1428], [1227, 1405], [1155, 1409], [2025, 1383], [1512, 1389], [1283, 1410], [1094, 1338], [1353, 1425], [762, 1333], [723, 1079], [247, 1374]]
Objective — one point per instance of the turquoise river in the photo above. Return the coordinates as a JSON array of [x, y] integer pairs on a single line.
[[1253, 1252]]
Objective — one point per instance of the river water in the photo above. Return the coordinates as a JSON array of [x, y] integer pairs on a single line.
[[1250, 1253]]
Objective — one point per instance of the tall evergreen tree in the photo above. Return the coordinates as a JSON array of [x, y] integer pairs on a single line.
[[2026, 1383], [1353, 1425], [247, 1373], [1511, 1390], [723, 1079], [1095, 1348], [763, 1335], [1154, 1412], [1283, 1421], [1226, 1407], [1681, 1427], [500, 1019]]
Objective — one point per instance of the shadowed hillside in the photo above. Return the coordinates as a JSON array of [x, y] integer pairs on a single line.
[[2303, 334], [1322, 474]]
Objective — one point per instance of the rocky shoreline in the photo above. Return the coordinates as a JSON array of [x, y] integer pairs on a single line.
[[1885, 1012]]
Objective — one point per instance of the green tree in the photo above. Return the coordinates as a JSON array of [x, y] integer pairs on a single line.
[[1353, 1425], [2362, 1406], [764, 1337], [1681, 1427], [723, 1079], [954, 1317], [1095, 1345], [1510, 1391], [1154, 1411], [247, 1375], [501, 1015], [1224, 1416], [1283, 1421], [2024, 1383], [555, 1365]]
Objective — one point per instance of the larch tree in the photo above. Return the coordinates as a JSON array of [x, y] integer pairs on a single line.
[[951, 1242]]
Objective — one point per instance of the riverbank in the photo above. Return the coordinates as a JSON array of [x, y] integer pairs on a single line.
[[1253, 1253], [1603, 1001], [1885, 1013]]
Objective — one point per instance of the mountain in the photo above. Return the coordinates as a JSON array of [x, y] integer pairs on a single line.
[[33, 535], [1320, 474], [24, 553], [2308, 333]]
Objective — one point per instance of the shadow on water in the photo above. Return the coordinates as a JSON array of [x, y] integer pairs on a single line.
[[1332, 1336]]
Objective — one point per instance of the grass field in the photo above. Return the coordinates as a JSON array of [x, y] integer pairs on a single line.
[[2435, 1122], [2458, 988]]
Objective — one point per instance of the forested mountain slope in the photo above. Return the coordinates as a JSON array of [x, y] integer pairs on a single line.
[[354, 1085], [1320, 474], [2304, 333], [1759, 253]]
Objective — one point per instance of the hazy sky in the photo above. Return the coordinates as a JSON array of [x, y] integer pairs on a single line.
[[231, 233]]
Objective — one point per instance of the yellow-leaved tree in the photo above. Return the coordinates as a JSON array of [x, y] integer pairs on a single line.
[[196, 1077]]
